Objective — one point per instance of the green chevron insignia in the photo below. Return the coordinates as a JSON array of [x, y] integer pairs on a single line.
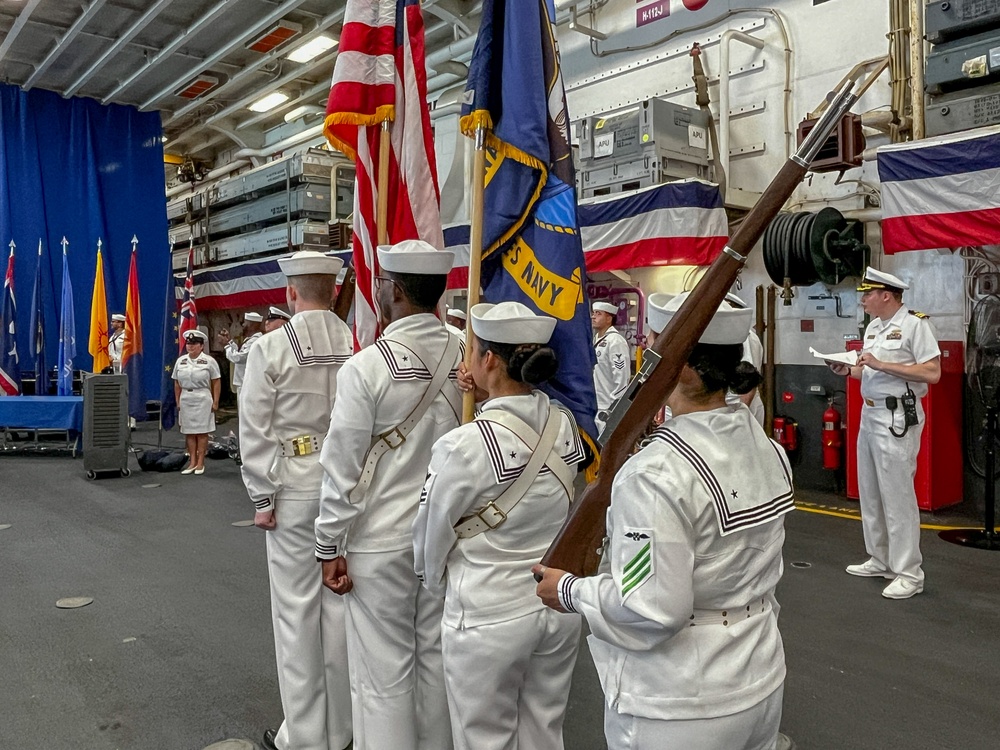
[[637, 569]]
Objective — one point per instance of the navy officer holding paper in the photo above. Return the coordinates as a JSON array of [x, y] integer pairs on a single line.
[[899, 360]]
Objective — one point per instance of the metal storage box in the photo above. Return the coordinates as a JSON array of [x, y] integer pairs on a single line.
[[957, 18], [653, 143], [972, 61], [105, 424], [974, 108]]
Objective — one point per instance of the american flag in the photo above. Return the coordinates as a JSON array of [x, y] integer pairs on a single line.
[[10, 372], [189, 311], [379, 76]]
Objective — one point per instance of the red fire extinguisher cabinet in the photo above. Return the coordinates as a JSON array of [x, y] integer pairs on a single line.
[[939, 464]]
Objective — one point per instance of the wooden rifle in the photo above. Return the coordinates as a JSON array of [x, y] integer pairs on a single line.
[[577, 546], [345, 297]]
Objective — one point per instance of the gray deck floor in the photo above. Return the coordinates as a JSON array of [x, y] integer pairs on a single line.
[[175, 653]]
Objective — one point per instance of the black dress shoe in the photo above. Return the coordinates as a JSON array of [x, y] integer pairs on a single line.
[[268, 741]]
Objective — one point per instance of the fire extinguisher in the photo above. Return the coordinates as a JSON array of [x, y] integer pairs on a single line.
[[833, 438], [786, 433]]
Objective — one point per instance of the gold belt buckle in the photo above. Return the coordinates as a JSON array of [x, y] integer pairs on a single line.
[[491, 506], [302, 446], [385, 438]]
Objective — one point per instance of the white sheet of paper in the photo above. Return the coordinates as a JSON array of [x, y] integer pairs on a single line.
[[844, 358]]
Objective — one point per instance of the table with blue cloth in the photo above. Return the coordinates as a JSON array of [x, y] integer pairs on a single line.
[[42, 415]]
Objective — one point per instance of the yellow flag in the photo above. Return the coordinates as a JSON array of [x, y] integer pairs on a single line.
[[98, 346]]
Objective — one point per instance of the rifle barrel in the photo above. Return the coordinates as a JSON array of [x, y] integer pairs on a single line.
[[576, 546]]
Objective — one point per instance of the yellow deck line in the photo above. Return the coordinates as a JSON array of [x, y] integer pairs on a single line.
[[856, 516]]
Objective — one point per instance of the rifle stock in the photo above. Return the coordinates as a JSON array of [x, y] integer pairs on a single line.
[[576, 547], [345, 297]]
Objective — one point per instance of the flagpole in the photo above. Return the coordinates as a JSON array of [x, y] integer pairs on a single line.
[[382, 210], [475, 257]]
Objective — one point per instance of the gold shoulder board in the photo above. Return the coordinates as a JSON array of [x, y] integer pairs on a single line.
[[919, 314]]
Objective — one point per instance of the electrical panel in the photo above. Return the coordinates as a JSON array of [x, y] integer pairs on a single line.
[[958, 18], [648, 145], [962, 75]]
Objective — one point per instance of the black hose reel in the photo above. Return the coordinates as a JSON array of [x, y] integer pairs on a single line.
[[803, 248]]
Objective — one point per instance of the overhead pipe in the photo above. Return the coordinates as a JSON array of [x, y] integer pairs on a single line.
[[175, 44], [209, 177], [133, 31], [729, 36], [243, 157], [301, 111], [917, 67]]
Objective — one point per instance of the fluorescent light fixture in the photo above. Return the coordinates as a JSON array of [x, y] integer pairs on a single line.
[[269, 102], [313, 48]]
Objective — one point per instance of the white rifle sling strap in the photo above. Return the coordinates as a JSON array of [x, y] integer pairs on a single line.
[[496, 511], [397, 436]]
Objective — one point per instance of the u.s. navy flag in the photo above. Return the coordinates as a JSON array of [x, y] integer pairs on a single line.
[[532, 251]]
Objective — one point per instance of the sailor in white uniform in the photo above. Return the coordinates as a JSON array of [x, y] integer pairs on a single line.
[[289, 390], [394, 399], [238, 354], [197, 383], [116, 341], [276, 317], [456, 318], [683, 615], [900, 354], [613, 370], [489, 510], [753, 352]]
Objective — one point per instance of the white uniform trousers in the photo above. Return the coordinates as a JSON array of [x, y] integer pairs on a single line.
[[889, 513], [756, 728], [394, 644], [508, 682], [310, 641]]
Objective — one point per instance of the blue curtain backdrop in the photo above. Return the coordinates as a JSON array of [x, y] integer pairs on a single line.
[[76, 168]]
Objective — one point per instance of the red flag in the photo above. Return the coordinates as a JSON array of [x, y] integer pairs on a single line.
[[380, 75], [189, 311]]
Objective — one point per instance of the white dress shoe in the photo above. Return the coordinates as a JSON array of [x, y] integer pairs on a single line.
[[188, 470], [902, 589], [200, 470], [869, 569]]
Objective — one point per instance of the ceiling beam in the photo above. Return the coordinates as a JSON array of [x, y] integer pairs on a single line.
[[19, 24], [175, 44], [336, 17], [64, 41], [144, 20], [227, 47]]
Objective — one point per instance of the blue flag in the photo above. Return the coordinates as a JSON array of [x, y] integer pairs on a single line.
[[169, 344], [42, 383], [10, 371], [67, 334], [532, 251]]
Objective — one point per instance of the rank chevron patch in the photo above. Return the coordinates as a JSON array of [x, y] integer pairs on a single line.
[[639, 568]]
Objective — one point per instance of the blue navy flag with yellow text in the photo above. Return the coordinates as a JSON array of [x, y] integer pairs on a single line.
[[532, 251]]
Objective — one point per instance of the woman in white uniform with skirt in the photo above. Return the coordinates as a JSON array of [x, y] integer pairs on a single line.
[[498, 489], [683, 616], [197, 384]]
